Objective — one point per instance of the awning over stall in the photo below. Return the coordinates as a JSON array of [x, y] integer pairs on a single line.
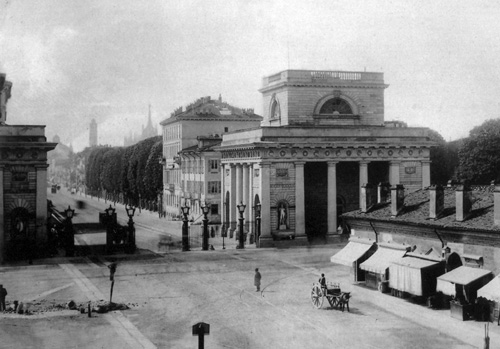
[[464, 276], [491, 290], [381, 260], [415, 275], [352, 252]]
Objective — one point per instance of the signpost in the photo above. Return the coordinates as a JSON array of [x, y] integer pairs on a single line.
[[200, 330]]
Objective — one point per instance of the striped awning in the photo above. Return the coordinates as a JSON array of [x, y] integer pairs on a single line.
[[352, 252], [380, 261]]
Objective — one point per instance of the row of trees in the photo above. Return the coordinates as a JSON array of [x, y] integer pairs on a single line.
[[475, 158], [132, 172]]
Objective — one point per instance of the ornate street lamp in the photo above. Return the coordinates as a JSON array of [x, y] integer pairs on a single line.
[[241, 209], [185, 236], [69, 234], [257, 220], [131, 230], [205, 209], [110, 214]]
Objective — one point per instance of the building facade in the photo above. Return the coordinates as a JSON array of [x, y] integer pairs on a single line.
[[201, 184], [207, 117], [323, 136], [23, 186]]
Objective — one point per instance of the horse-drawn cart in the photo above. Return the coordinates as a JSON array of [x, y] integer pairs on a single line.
[[332, 293]]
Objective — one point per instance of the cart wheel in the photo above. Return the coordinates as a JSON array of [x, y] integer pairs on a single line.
[[317, 297]]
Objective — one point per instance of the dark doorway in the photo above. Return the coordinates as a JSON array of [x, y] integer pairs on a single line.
[[378, 172], [316, 199], [225, 226], [348, 184]]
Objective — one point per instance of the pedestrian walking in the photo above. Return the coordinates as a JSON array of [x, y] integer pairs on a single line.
[[3, 293], [256, 280]]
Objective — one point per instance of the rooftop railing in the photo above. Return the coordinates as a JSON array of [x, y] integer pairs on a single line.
[[305, 76]]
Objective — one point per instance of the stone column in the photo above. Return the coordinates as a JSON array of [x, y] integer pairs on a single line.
[[265, 201], [239, 196], [244, 195], [394, 173], [363, 177], [233, 211], [2, 223], [249, 203], [300, 214], [426, 174], [332, 197], [41, 202], [222, 196]]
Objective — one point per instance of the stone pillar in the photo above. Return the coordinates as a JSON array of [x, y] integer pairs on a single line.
[[363, 177], [368, 199], [2, 223], [41, 203], [265, 200], [233, 210], [332, 197], [250, 203], [300, 214], [426, 174], [394, 173], [222, 196], [244, 195]]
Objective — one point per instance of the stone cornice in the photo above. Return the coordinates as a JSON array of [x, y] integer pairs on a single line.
[[324, 85]]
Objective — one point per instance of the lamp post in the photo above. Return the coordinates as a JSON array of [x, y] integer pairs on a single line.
[[205, 209], [131, 230], [241, 210], [70, 236], [257, 220], [185, 236], [110, 214]]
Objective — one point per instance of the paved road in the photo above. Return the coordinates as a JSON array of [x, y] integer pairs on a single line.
[[170, 292]]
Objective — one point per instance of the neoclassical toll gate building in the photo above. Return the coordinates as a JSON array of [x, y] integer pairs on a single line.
[[322, 137]]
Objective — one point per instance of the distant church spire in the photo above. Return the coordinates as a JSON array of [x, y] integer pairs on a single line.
[[150, 124], [93, 133]]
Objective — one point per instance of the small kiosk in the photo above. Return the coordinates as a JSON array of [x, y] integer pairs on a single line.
[[415, 274], [353, 254], [377, 266], [490, 294], [462, 285]]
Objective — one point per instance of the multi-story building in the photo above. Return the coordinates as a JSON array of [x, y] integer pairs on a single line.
[[93, 133], [203, 117], [322, 137], [201, 177]]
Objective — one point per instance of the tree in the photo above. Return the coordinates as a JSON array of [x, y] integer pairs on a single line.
[[153, 177], [444, 159], [479, 154]]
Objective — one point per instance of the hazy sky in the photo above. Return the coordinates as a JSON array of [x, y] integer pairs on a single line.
[[71, 61]]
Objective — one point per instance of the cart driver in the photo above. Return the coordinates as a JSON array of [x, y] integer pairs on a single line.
[[322, 282]]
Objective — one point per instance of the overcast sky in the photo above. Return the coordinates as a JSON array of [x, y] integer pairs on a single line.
[[71, 61]]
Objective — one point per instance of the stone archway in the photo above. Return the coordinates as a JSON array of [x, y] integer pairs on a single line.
[[453, 261]]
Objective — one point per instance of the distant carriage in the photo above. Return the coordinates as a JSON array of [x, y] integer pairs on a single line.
[[336, 298]]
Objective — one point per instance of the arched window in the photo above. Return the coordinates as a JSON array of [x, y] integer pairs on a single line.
[[275, 110], [336, 106]]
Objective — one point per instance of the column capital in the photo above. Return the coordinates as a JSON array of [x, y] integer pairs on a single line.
[[364, 162], [265, 164], [299, 163], [426, 162], [332, 163], [395, 162]]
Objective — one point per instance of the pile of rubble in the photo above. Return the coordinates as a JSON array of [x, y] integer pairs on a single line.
[[46, 306]]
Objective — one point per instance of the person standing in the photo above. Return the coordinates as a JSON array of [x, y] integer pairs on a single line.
[[112, 271], [256, 280], [3, 293]]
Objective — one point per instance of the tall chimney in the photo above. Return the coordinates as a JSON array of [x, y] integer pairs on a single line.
[[436, 201], [463, 201], [367, 197], [397, 199], [496, 205], [382, 192]]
